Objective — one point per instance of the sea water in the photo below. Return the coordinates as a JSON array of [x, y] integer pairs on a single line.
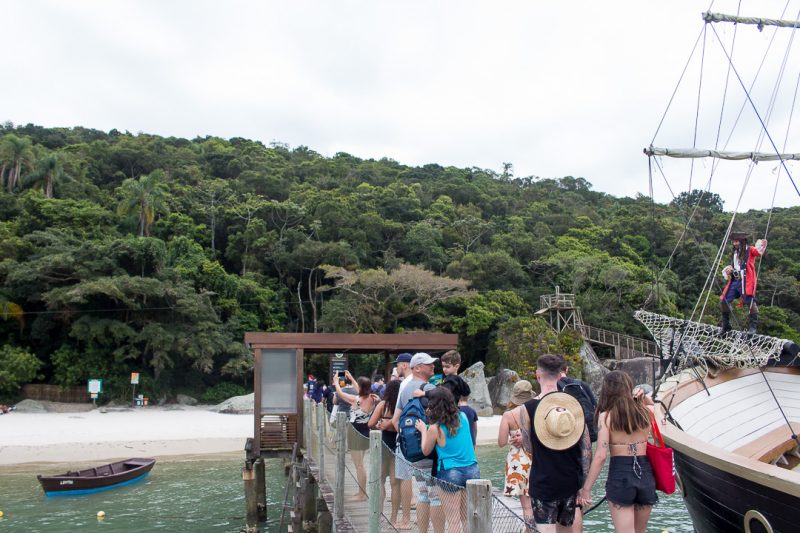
[[207, 494]]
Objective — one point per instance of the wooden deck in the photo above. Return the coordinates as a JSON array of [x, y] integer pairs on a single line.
[[506, 516]]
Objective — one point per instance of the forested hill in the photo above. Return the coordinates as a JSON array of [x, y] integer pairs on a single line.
[[129, 252]]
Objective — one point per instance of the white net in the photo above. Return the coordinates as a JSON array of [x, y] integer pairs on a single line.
[[694, 340]]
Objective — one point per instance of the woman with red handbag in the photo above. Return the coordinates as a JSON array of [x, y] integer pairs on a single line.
[[623, 427]]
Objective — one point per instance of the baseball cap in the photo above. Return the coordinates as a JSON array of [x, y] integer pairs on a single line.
[[404, 357], [422, 358]]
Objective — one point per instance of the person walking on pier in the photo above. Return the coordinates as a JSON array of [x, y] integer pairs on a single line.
[[362, 406], [624, 425], [518, 459], [557, 428], [429, 507]]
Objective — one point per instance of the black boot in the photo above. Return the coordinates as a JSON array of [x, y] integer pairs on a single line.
[[753, 323], [725, 327]]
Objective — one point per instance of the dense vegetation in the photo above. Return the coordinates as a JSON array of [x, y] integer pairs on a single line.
[[126, 252]]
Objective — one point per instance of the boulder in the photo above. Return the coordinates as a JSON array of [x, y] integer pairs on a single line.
[[184, 399], [639, 368], [501, 388], [30, 406], [593, 371], [480, 398], [238, 405]]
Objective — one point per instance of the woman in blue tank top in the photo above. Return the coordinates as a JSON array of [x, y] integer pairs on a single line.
[[448, 431]]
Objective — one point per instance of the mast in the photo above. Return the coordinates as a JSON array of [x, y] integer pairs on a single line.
[[695, 153], [758, 21]]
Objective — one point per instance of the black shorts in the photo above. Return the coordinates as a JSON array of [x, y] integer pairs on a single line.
[[561, 512], [631, 482]]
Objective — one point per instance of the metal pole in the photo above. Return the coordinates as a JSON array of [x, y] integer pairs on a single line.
[[341, 450], [374, 483], [479, 506]]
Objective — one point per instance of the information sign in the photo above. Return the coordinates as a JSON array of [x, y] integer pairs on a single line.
[[134, 378], [95, 387]]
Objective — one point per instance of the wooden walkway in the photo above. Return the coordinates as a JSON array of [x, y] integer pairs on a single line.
[[506, 512]]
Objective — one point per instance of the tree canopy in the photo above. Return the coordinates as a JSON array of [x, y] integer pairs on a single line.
[[123, 252]]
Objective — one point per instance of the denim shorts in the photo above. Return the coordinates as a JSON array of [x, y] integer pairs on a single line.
[[455, 479], [631, 482]]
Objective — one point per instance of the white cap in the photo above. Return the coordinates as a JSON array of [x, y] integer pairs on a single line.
[[421, 358]]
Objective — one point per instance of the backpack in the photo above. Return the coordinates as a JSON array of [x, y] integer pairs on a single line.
[[409, 438], [576, 389]]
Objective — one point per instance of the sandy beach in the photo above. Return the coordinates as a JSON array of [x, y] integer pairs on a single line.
[[163, 432]]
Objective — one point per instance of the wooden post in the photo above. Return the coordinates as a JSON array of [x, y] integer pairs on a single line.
[[479, 506], [299, 497], [261, 489], [341, 450], [324, 517], [374, 483], [310, 503], [306, 432], [250, 495], [321, 412]]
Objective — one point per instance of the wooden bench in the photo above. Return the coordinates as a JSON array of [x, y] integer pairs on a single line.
[[770, 447]]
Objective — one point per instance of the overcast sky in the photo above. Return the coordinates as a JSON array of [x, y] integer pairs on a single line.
[[556, 88]]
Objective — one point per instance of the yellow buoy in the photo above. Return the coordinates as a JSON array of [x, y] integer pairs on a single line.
[[101, 515], [1, 514]]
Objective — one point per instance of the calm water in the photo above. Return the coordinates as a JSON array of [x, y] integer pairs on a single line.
[[207, 495]]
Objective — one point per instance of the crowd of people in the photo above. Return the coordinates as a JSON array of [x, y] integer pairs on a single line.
[[550, 464]]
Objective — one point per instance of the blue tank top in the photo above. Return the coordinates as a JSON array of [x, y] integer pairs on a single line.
[[457, 451]]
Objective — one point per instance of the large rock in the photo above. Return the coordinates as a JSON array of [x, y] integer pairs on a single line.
[[184, 399], [479, 399], [639, 368], [593, 371], [238, 405], [30, 406], [501, 388]]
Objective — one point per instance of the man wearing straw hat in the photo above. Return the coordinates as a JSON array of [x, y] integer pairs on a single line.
[[557, 425]]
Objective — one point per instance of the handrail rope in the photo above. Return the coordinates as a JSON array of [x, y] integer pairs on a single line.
[[758, 115]]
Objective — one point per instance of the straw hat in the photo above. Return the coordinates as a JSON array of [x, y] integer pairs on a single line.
[[558, 421], [522, 392]]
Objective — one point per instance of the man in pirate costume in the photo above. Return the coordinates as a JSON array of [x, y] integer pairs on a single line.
[[740, 275]]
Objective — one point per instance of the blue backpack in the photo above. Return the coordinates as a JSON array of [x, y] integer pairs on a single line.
[[410, 439]]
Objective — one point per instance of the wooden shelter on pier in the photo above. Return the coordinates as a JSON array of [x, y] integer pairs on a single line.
[[278, 382]]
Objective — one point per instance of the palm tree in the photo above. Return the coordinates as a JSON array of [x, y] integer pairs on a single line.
[[15, 153], [49, 169], [145, 197]]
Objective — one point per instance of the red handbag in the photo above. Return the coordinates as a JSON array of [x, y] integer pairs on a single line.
[[661, 461]]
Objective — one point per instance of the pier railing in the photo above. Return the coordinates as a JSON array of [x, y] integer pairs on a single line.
[[354, 475], [625, 346]]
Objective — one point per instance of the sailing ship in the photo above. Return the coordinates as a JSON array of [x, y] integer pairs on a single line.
[[730, 403]]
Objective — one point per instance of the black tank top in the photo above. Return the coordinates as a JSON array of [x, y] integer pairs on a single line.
[[556, 474]]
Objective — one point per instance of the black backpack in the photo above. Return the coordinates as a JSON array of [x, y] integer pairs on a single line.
[[581, 392], [409, 438]]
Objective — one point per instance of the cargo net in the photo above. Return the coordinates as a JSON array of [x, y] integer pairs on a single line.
[[693, 341]]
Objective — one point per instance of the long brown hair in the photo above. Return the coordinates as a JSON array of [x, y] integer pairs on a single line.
[[442, 410], [616, 399]]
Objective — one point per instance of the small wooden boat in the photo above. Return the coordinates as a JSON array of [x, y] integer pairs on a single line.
[[98, 478]]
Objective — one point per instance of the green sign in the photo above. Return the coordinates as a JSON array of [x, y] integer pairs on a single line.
[[95, 386]]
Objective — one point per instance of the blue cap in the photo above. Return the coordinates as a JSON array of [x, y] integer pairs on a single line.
[[404, 357]]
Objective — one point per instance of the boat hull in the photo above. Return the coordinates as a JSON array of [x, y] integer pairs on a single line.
[[718, 500], [96, 479]]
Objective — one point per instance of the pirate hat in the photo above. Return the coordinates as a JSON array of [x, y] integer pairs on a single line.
[[739, 236]]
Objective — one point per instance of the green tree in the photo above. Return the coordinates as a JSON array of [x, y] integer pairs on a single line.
[[145, 198], [48, 171], [17, 367], [16, 153]]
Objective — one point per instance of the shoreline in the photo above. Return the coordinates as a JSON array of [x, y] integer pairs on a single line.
[[166, 433]]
